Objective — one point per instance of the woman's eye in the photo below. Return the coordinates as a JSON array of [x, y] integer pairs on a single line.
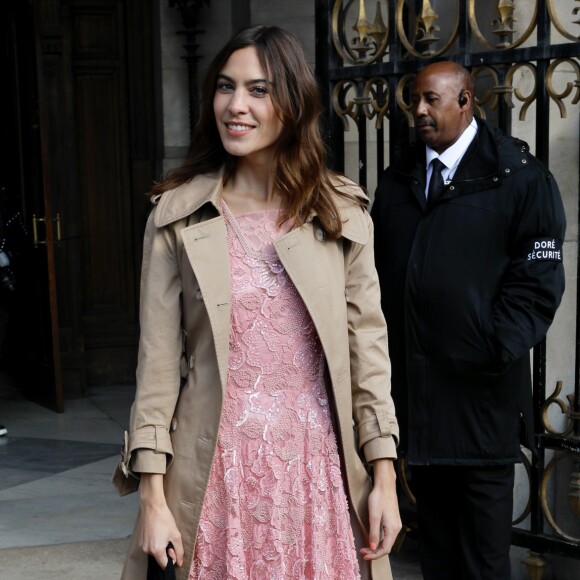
[[224, 87], [259, 91]]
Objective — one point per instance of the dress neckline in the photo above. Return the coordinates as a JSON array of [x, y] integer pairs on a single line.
[[227, 210], [232, 220]]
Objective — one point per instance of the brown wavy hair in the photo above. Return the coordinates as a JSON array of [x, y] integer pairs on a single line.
[[302, 178]]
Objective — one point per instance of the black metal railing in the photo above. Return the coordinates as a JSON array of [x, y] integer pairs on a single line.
[[365, 63]]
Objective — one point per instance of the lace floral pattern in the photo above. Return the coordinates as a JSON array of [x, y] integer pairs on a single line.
[[275, 507]]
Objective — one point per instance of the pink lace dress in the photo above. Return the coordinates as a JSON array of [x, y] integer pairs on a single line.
[[275, 506]]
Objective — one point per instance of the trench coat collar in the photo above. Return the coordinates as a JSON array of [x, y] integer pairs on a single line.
[[186, 199], [354, 226]]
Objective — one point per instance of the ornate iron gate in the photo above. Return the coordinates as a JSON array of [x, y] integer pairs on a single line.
[[524, 56]]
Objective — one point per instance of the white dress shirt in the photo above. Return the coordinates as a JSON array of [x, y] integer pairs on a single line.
[[452, 156]]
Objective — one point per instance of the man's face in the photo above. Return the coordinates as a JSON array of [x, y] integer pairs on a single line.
[[439, 118]]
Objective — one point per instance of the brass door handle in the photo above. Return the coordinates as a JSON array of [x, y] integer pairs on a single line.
[[35, 222], [57, 222]]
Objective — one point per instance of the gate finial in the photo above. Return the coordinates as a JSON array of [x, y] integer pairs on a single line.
[[426, 27], [504, 26]]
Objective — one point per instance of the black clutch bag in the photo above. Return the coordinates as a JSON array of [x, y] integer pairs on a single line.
[[156, 572]]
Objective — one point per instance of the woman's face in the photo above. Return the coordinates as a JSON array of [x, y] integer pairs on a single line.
[[247, 122]]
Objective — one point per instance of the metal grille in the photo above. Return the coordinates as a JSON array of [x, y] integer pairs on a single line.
[[524, 56]]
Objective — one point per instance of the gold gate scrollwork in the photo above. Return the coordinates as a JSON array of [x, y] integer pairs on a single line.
[[558, 97], [574, 479], [359, 41], [376, 93], [502, 27], [341, 106], [526, 100], [425, 29], [372, 101], [404, 106], [554, 399], [371, 40], [490, 97], [573, 493], [558, 24]]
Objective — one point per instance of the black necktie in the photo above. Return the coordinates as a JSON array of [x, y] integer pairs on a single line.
[[436, 185]]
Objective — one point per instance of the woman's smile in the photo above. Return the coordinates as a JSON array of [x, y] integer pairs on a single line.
[[248, 123], [238, 129]]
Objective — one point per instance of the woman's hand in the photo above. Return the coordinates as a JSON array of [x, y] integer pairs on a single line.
[[383, 511], [158, 527]]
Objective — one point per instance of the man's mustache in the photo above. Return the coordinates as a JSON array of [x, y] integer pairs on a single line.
[[424, 122]]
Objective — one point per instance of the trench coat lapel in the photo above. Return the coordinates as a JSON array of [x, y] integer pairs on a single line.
[[296, 251], [311, 262], [299, 252], [307, 257], [207, 250]]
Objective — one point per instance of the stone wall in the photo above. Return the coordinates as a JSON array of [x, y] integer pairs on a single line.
[[220, 21]]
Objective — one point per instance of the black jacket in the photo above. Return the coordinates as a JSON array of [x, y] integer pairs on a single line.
[[468, 287]]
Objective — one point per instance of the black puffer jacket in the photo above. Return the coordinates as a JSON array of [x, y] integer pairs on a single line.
[[468, 287]]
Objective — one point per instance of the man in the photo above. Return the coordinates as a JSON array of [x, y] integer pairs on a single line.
[[469, 254]]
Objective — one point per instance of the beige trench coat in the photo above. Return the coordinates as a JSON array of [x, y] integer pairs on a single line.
[[185, 325]]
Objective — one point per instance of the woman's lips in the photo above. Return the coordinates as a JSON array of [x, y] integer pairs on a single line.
[[238, 128]]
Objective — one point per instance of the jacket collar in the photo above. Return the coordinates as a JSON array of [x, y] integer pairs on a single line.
[[186, 199], [178, 203], [491, 157], [481, 160]]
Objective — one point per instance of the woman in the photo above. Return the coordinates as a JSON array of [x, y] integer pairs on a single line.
[[258, 284]]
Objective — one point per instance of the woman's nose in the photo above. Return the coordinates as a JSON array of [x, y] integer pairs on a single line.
[[238, 102]]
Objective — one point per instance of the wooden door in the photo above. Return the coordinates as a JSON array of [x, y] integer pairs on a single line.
[[31, 346], [111, 73], [98, 57], [85, 154]]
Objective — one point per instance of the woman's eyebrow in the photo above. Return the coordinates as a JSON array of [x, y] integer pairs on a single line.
[[248, 82]]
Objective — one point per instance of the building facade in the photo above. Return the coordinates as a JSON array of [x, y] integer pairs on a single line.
[[101, 98]]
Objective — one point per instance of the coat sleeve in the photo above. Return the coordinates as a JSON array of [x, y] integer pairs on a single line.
[[370, 367], [160, 348], [533, 284]]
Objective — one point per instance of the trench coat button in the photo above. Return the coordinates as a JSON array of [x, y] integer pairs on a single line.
[[320, 235], [191, 361], [452, 188], [173, 425], [524, 160], [507, 170], [198, 295], [496, 178]]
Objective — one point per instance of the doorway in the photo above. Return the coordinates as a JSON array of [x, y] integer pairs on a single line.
[[78, 155]]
